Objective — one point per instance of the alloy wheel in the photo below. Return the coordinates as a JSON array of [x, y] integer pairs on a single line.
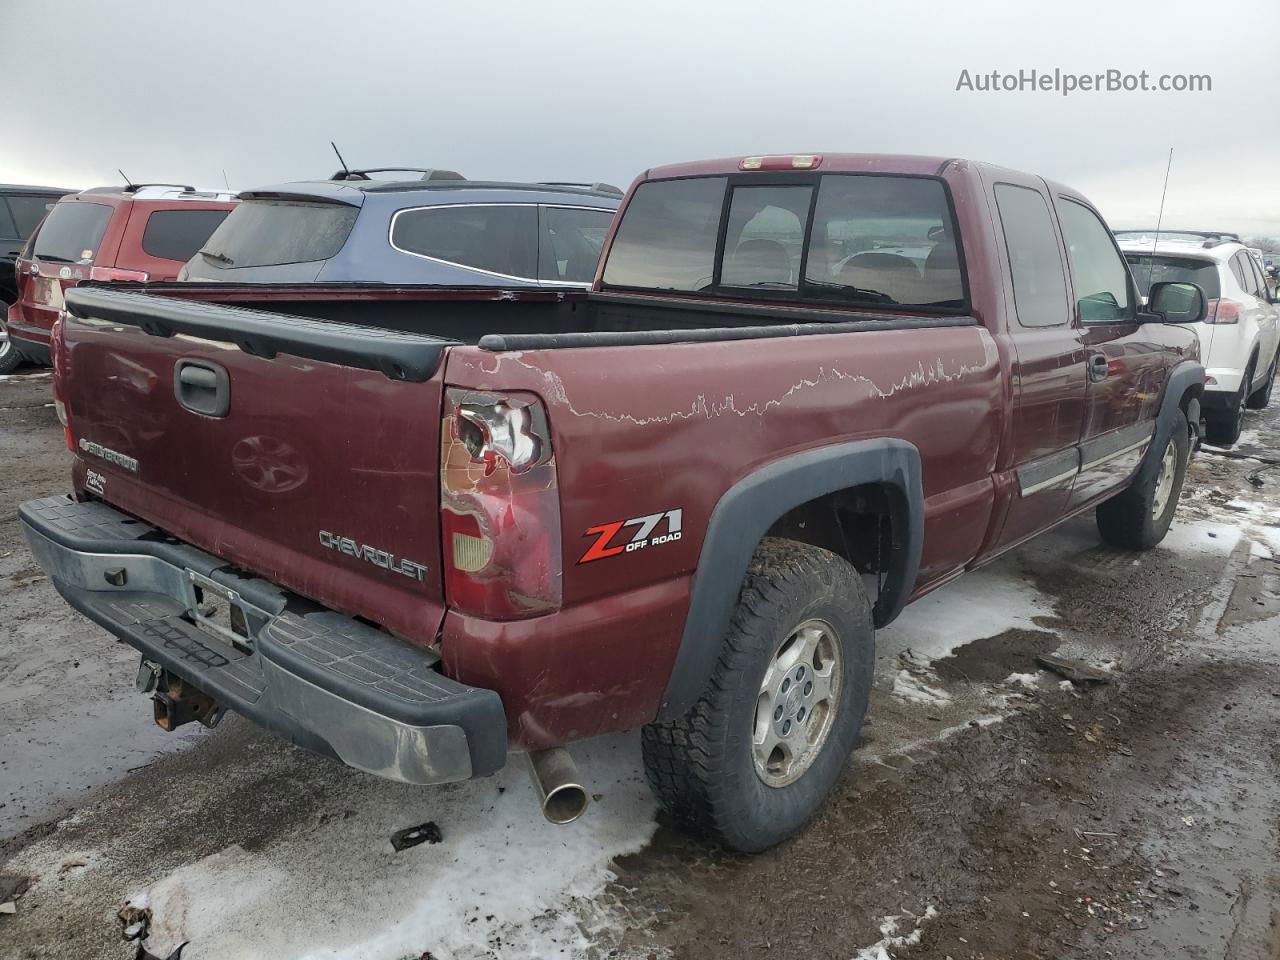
[[1164, 480], [797, 704]]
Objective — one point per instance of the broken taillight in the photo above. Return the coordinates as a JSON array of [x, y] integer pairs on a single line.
[[58, 360], [500, 506]]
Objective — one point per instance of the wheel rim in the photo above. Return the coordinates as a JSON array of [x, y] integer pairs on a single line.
[[797, 704], [1164, 482], [5, 345]]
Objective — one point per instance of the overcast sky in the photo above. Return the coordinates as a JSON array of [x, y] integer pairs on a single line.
[[180, 91]]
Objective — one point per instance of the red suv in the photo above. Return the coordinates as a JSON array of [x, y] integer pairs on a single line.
[[136, 232]]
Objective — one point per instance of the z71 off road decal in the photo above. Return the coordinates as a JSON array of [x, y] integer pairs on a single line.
[[607, 533]]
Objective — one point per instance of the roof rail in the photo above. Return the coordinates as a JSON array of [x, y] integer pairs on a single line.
[[428, 173], [1220, 235], [597, 187], [135, 187]]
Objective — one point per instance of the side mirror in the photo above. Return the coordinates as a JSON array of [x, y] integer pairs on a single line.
[[1177, 302]]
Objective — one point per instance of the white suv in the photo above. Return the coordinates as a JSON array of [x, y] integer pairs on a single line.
[[1240, 337]]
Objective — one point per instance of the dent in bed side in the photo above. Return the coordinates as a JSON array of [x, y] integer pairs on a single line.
[[744, 515]]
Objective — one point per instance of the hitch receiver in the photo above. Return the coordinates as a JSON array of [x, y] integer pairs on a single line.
[[175, 700]]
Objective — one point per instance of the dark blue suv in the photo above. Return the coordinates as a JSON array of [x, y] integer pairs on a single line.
[[366, 226]]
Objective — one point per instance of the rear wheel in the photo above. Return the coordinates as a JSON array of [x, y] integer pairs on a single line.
[[1262, 396], [1222, 427], [757, 754], [1138, 517], [10, 358]]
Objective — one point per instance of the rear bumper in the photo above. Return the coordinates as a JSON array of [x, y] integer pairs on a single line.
[[31, 341], [327, 682]]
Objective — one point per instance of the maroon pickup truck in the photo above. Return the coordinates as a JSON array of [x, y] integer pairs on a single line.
[[415, 529]]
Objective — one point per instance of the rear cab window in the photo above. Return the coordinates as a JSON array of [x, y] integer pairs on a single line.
[[178, 234], [72, 232], [856, 239], [268, 233]]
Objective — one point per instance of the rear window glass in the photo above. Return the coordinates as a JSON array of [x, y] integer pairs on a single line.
[[27, 212], [267, 233], [495, 238], [885, 240], [72, 231], [570, 243], [178, 234], [667, 237], [765, 237], [872, 240], [1148, 269]]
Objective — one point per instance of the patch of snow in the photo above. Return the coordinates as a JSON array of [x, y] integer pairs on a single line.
[[909, 687], [1202, 536], [1259, 551], [1024, 679], [338, 891], [891, 938], [983, 603]]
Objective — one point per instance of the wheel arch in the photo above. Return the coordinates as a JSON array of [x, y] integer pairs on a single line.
[[756, 505]]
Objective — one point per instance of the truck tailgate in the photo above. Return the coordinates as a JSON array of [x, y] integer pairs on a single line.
[[304, 451]]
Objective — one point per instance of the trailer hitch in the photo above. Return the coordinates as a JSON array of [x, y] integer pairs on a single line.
[[175, 700]]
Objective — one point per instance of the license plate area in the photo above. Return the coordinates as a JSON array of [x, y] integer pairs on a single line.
[[48, 291], [222, 613]]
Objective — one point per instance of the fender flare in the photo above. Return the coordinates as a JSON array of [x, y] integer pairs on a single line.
[[747, 510], [1185, 375]]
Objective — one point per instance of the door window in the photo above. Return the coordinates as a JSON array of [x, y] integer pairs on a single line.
[[1035, 262], [1098, 271], [570, 242], [1238, 271]]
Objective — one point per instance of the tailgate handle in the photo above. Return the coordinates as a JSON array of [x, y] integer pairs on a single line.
[[202, 387]]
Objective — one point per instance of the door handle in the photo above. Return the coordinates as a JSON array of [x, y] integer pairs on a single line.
[[1098, 367], [202, 387]]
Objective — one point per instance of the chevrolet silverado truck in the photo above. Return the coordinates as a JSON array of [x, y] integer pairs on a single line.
[[417, 529]]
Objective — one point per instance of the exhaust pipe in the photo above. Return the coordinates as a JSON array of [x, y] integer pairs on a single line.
[[555, 777]]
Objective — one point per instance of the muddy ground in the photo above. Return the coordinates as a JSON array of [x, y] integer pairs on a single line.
[[991, 811]]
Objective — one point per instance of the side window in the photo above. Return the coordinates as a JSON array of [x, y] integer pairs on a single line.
[[495, 238], [1237, 271], [569, 243], [1252, 285], [765, 237], [1099, 272], [178, 234], [28, 211], [1035, 261], [7, 228]]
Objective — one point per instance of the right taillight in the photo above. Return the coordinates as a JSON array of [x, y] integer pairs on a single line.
[[500, 506], [58, 359], [1222, 311]]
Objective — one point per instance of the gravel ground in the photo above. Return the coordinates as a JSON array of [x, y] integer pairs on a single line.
[[990, 811]]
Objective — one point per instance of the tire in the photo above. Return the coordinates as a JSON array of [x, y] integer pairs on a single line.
[[1222, 427], [10, 358], [1259, 399], [1139, 516], [705, 767]]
